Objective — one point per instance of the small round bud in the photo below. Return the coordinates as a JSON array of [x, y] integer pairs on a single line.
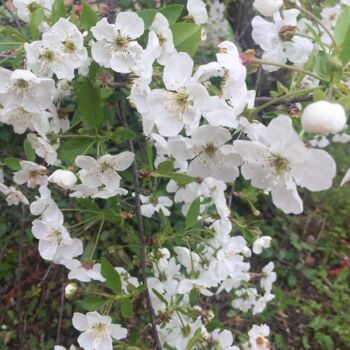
[[63, 178], [335, 64], [267, 7], [323, 118], [71, 290]]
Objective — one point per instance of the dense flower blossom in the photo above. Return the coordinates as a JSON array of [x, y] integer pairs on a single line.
[[180, 104], [197, 11], [278, 41], [212, 156], [193, 120], [103, 172], [13, 196], [31, 173], [153, 204], [278, 161], [60, 51], [116, 46], [26, 7], [97, 331], [23, 89]]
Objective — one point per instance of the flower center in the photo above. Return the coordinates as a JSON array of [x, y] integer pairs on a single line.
[[48, 55], [120, 42], [69, 46], [260, 341], [286, 33], [153, 200], [105, 166], [33, 6], [162, 39], [181, 99], [56, 236], [21, 84], [280, 164], [99, 329], [210, 150]]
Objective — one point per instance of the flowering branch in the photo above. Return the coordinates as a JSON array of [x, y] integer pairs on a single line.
[[281, 99], [264, 99], [141, 230]]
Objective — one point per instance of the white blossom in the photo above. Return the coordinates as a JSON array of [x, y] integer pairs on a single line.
[[323, 117], [63, 178], [279, 161], [97, 331], [116, 46]]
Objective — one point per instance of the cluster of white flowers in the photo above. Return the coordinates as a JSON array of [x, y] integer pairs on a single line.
[[195, 123]]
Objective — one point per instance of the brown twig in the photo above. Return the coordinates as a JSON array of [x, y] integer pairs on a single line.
[[19, 277], [141, 231], [60, 317], [286, 101]]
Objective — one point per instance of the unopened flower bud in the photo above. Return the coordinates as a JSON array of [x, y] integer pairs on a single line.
[[267, 7], [323, 118], [63, 178], [335, 64], [71, 290]]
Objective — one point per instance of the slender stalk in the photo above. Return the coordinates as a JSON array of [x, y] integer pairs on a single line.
[[60, 317], [317, 20], [97, 239], [264, 99], [281, 99], [293, 68], [141, 231], [19, 278]]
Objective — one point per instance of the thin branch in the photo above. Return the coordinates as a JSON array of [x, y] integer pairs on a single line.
[[277, 100], [60, 317], [286, 101], [141, 231], [19, 277]]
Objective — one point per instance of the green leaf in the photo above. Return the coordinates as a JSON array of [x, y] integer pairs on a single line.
[[126, 308], [12, 163], [88, 17], [36, 18], [28, 150], [74, 147], [342, 35], [172, 12], [111, 275], [325, 341], [342, 27], [149, 153], [58, 11], [182, 179], [193, 213], [160, 297], [194, 295], [321, 66], [165, 167], [123, 134], [187, 37], [148, 16], [91, 303], [89, 103], [319, 95]]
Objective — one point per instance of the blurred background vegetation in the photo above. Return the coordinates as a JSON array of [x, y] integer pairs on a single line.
[[311, 251]]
